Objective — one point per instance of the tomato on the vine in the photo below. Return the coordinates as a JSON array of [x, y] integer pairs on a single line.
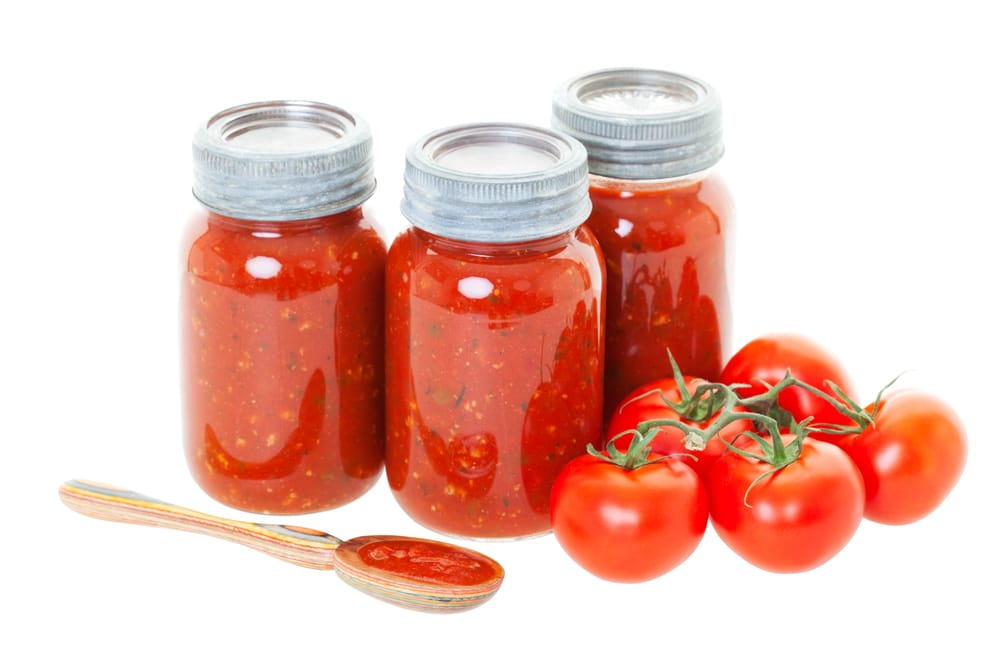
[[796, 517], [910, 458], [652, 402], [765, 360], [628, 525]]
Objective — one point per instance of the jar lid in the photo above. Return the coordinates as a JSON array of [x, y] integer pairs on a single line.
[[283, 160], [641, 123], [496, 183]]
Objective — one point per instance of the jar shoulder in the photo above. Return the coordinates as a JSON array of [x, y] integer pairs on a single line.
[[412, 246], [633, 216], [225, 251], [528, 281]]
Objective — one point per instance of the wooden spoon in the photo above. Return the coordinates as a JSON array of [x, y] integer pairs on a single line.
[[420, 574]]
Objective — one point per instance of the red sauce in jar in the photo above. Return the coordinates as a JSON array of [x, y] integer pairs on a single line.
[[494, 367], [665, 245], [282, 328]]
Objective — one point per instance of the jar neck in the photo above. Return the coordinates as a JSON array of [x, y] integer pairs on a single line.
[[648, 184], [511, 250], [280, 227]]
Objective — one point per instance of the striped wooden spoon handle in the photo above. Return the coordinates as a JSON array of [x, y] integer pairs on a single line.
[[299, 546]]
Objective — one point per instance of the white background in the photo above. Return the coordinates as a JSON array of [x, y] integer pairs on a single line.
[[861, 150]]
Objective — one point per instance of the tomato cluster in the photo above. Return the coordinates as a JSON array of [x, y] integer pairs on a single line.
[[778, 455]]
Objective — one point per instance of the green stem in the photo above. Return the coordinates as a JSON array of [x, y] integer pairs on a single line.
[[635, 456], [720, 405], [846, 406]]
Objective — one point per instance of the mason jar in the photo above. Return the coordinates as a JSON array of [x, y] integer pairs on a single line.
[[663, 216], [282, 319], [495, 328]]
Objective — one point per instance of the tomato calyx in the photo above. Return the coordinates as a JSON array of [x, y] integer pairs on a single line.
[[697, 406], [777, 452], [635, 455], [709, 402]]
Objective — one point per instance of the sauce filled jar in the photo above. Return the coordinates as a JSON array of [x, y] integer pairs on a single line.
[[663, 216], [494, 320], [282, 313]]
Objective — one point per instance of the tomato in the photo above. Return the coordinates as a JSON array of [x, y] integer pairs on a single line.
[[798, 517], [647, 403], [768, 358], [628, 525], [911, 457]]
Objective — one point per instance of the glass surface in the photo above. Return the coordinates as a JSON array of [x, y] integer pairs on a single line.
[[494, 362], [282, 334], [666, 244]]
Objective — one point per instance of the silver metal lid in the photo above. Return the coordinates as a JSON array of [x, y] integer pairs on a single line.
[[283, 160], [496, 183], [641, 123]]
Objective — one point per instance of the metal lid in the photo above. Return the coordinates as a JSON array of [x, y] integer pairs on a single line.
[[641, 123], [496, 183], [283, 160]]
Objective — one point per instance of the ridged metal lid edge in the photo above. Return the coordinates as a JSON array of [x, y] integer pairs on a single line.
[[547, 197], [283, 160], [641, 123]]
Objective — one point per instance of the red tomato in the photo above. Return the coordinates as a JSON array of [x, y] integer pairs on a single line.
[[911, 458], [766, 360], [799, 517], [628, 525], [634, 410]]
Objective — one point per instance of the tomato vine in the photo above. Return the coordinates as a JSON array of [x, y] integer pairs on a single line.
[[720, 405]]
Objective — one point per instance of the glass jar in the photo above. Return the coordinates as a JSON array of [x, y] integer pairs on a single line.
[[495, 309], [663, 217], [282, 310]]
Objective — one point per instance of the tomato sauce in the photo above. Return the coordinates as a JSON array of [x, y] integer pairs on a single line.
[[428, 561], [282, 328], [665, 245], [494, 373]]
